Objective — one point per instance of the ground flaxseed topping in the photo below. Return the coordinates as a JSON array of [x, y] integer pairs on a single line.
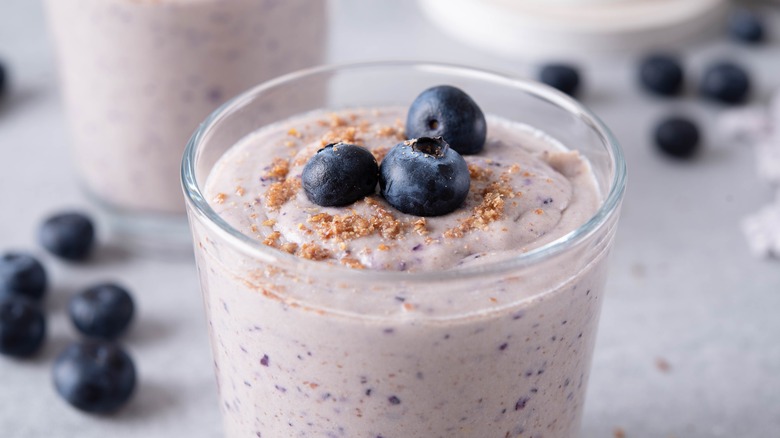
[[479, 173], [282, 191], [341, 228], [272, 239], [507, 193], [489, 210], [220, 198], [279, 169], [313, 251], [344, 134]]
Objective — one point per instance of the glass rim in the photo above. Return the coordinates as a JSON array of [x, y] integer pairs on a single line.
[[200, 206]]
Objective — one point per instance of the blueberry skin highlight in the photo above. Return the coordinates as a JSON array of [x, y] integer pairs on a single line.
[[725, 82], [103, 311], [95, 377], [746, 26], [340, 174], [21, 275], [22, 327], [677, 137], [563, 77], [446, 111], [67, 235], [661, 74], [424, 177]]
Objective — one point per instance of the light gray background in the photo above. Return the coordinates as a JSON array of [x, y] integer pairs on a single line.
[[683, 289]]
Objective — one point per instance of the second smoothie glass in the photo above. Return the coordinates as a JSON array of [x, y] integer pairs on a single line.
[[137, 76], [304, 348]]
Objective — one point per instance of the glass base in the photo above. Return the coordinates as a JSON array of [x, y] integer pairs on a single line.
[[145, 233]]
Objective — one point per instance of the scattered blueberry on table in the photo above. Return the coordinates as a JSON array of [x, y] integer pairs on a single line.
[[103, 311], [448, 112], [424, 177], [22, 327], [95, 377], [725, 82], [340, 174], [563, 77], [3, 79], [677, 137], [746, 26], [21, 275], [68, 235], [661, 74]]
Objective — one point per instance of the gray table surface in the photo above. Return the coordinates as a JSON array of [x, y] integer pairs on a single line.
[[684, 290]]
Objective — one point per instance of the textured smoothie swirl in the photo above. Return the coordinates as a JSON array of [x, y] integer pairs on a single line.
[[523, 194]]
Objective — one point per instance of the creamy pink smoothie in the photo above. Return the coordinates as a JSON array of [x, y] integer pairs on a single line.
[[490, 356], [138, 76]]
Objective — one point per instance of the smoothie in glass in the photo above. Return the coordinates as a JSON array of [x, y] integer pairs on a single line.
[[139, 75], [362, 321]]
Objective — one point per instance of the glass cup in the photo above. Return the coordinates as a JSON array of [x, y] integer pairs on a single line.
[[138, 76], [305, 348]]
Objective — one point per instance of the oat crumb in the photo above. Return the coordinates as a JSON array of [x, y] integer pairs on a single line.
[[352, 262], [312, 251], [279, 169], [421, 226], [220, 198], [294, 133], [282, 191], [240, 191], [272, 239], [289, 247], [479, 173]]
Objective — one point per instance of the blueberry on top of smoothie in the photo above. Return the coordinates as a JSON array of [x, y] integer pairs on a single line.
[[67, 235], [21, 275], [424, 177], [725, 82], [97, 377], [340, 174], [661, 74], [448, 112], [22, 327], [102, 311], [563, 77], [746, 26]]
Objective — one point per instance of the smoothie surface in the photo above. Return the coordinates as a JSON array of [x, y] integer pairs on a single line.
[[526, 190]]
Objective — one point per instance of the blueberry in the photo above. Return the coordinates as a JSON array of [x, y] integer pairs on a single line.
[[68, 235], [22, 327], [448, 112], [563, 77], [103, 311], [424, 177], [746, 26], [661, 74], [725, 82], [96, 377], [3, 79], [677, 137], [340, 174], [21, 275]]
